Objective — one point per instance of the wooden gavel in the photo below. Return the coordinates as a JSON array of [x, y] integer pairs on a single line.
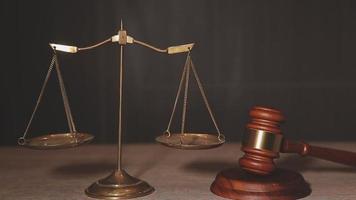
[[264, 140]]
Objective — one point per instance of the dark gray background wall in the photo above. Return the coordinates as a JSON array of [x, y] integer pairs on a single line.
[[297, 56]]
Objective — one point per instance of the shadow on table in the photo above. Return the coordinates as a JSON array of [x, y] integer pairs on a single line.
[[292, 162], [305, 164], [208, 166], [99, 167], [151, 161], [84, 168]]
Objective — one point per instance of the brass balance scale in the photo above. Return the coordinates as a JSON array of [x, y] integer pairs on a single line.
[[119, 184]]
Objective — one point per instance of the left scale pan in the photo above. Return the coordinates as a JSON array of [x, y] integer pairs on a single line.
[[69, 139], [56, 141]]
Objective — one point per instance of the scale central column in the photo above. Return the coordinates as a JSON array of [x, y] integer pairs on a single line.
[[122, 42], [119, 184]]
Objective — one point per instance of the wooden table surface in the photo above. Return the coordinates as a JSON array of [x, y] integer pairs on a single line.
[[175, 174]]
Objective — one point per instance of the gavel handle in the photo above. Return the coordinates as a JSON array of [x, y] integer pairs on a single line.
[[304, 149]]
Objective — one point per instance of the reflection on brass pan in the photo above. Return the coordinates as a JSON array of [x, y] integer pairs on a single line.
[[191, 141], [57, 141]]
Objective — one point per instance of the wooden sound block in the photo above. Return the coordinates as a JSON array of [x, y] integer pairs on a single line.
[[282, 184]]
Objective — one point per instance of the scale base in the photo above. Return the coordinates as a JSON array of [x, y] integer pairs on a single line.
[[119, 185], [282, 184]]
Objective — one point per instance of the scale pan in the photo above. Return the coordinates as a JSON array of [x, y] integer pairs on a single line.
[[57, 141], [191, 141]]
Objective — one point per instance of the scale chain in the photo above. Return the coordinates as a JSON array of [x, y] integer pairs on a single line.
[[205, 99], [65, 99], [38, 99], [177, 96], [185, 77], [185, 100]]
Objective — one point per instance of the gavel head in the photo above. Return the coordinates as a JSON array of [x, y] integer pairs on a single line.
[[261, 143]]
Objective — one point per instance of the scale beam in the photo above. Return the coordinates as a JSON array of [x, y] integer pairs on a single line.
[[123, 39]]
